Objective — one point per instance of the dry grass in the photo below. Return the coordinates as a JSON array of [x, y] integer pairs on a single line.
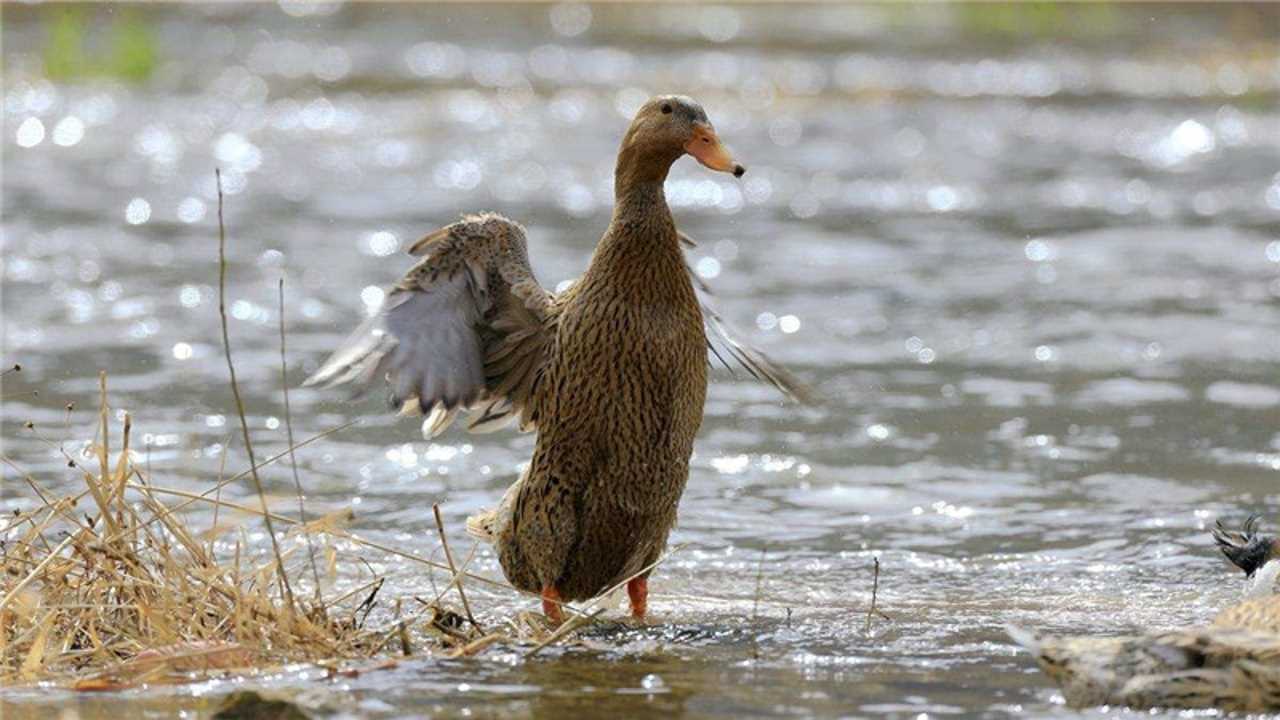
[[112, 586]]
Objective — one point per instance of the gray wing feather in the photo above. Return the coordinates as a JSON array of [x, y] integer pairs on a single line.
[[437, 356], [424, 341], [453, 335], [724, 345], [359, 357]]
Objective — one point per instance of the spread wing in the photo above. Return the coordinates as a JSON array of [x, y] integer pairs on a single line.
[[725, 346], [466, 329]]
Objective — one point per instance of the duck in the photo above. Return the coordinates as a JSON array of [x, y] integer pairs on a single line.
[[611, 372], [1232, 664]]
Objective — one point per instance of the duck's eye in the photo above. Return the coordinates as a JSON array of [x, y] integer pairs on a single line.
[[666, 109]]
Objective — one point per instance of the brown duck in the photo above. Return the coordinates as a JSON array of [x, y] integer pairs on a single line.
[[612, 372], [1232, 664]]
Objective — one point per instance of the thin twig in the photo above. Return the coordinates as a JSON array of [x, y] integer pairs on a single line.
[[406, 648], [448, 556], [104, 501], [285, 589], [875, 591], [462, 572], [222, 473], [293, 461], [223, 483], [476, 646], [32, 575], [563, 631], [755, 606]]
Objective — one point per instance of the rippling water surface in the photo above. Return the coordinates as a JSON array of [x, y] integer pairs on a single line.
[[1035, 277]]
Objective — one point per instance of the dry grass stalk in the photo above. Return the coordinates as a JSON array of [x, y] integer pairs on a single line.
[[875, 592], [285, 589], [755, 606], [455, 579], [131, 593], [293, 460]]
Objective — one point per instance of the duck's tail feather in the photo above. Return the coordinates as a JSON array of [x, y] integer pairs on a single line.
[[487, 525], [483, 526], [1026, 638]]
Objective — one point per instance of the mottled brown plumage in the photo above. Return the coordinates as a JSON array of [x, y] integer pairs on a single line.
[[1232, 664], [612, 372]]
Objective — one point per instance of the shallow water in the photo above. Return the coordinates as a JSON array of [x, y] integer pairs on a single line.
[[1036, 280]]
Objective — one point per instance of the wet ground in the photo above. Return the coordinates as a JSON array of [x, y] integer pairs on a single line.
[[1035, 277]]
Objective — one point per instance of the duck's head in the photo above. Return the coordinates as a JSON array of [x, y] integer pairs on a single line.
[[1247, 549], [668, 127]]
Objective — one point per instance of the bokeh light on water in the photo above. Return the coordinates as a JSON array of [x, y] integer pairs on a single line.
[[1029, 256]]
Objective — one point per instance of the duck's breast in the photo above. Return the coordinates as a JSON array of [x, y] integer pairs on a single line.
[[633, 375]]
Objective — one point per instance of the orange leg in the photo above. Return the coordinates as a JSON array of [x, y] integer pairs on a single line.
[[551, 604], [638, 591]]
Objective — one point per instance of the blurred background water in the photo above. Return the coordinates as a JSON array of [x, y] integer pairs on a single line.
[[1030, 255]]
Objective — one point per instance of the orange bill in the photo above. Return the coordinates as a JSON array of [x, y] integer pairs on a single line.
[[708, 150]]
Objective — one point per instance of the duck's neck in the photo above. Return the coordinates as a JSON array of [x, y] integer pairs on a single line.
[[637, 182], [642, 222], [643, 204], [641, 244]]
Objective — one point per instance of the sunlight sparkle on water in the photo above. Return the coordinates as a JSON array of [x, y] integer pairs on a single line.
[[731, 464], [189, 296], [237, 153], [246, 310], [1187, 139], [1273, 251], [708, 267], [191, 210], [380, 243], [372, 297], [68, 131], [30, 132], [137, 212], [942, 198], [1039, 251]]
